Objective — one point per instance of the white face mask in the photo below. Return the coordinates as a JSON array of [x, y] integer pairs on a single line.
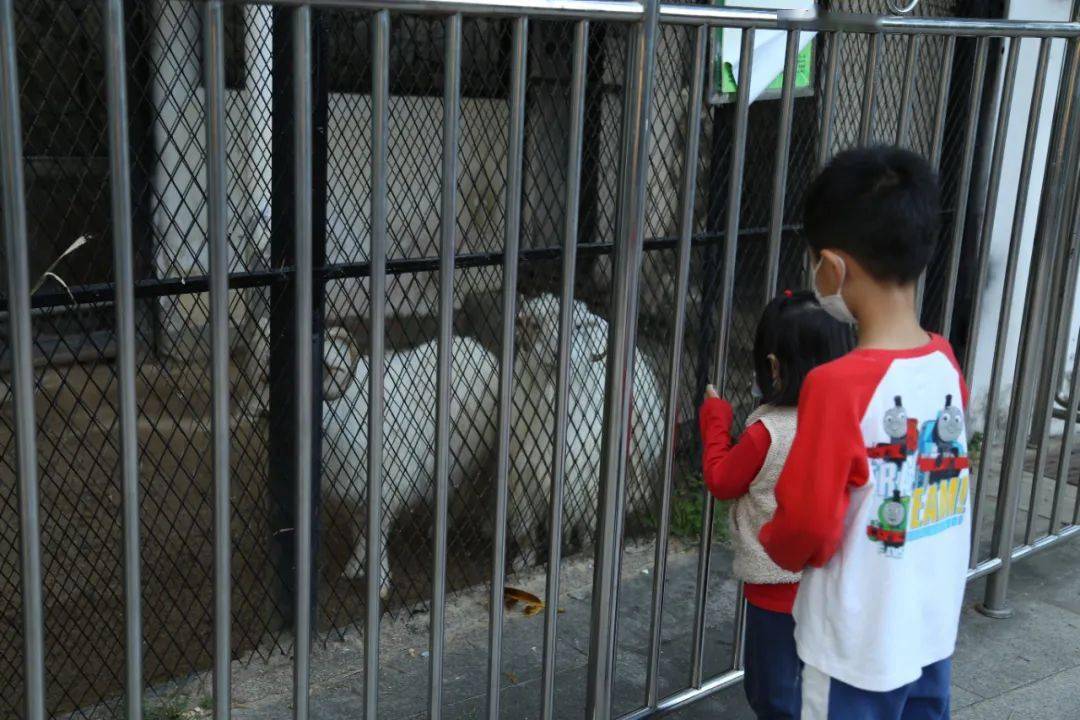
[[834, 304]]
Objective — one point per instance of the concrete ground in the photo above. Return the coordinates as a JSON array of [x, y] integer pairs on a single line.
[[1027, 666]]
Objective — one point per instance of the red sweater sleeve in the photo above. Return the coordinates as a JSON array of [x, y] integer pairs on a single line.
[[827, 458], [728, 470]]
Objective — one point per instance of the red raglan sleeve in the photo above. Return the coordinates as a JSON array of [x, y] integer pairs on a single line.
[[827, 458], [728, 470]]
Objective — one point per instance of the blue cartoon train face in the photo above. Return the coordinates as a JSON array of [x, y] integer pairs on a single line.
[[942, 453], [926, 496]]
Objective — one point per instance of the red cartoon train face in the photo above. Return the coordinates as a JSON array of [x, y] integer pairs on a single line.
[[903, 435]]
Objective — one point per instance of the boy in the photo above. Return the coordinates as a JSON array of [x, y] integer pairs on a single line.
[[873, 500]]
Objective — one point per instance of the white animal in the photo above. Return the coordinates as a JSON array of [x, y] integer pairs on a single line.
[[409, 428], [532, 436], [410, 397]]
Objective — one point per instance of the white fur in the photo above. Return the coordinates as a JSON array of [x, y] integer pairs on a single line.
[[531, 440], [409, 430]]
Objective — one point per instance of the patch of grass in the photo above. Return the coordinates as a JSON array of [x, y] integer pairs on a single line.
[[176, 707], [687, 505], [975, 445]]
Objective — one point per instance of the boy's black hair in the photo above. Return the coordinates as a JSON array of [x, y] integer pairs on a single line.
[[881, 206], [801, 335]]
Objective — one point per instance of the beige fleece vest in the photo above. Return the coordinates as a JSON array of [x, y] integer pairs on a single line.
[[751, 511]]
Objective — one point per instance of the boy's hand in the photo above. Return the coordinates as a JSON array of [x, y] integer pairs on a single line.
[[710, 392]]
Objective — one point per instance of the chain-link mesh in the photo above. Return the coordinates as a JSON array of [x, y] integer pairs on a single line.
[[64, 119]]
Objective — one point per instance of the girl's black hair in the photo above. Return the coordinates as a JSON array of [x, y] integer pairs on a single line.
[[801, 335]]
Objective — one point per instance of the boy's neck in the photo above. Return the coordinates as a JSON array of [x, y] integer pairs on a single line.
[[887, 319]]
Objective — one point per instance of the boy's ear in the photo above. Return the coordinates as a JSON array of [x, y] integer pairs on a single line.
[[833, 271]]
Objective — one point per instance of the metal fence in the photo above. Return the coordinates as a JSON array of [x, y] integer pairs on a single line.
[[279, 178]]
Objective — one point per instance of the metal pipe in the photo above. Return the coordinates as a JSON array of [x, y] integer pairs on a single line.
[[727, 284], [682, 284], [562, 384], [1068, 441], [978, 77], [985, 223], [1002, 347], [835, 41], [866, 120], [447, 245], [516, 135], [1031, 339], [303, 145], [620, 365], [120, 174], [217, 231], [22, 376], [694, 15], [903, 126], [780, 168], [380, 130], [941, 108]]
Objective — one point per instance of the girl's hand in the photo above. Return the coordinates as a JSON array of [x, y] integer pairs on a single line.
[[710, 392]]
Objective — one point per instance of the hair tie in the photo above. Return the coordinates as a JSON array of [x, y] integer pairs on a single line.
[[788, 294]]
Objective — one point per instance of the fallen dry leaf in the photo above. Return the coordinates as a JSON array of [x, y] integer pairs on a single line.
[[511, 677]]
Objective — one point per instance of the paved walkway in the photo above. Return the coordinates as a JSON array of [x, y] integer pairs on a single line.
[[1025, 667]]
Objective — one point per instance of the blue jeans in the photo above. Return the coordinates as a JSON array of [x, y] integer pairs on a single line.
[[927, 698], [773, 670]]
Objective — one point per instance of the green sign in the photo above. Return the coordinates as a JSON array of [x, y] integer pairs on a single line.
[[723, 77]]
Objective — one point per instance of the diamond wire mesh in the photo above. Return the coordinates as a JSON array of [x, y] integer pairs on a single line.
[[67, 184]]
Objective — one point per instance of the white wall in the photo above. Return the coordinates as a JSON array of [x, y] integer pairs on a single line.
[[992, 305]]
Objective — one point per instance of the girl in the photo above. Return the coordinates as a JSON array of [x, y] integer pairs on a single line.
[[793, 337]]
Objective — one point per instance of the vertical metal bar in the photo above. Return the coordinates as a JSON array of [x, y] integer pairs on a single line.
[[682, 284], [780, 168], [562, 387], [22, 376], [120, 173], [941, 107], [620, 366], [380, 131], [978, 77], [829, 105], [1056, 219], [447, 245], [1068, 441], [985, 243], [217, 209], [873, 57], [727, 285], [986, 225], [903, 126], [516, 135], [302, 174], [937, 139]]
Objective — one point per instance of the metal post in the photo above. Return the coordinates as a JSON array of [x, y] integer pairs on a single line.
[[447, 245], [963, 193], [120, 173], [780, 169], [22, 375], [1001, 141], [904, 124], [217, 209], [719, 365], [829, 104], [620, 365], [866, 122], [986, 225], [682, 283], [380, 126], [304, 379], [1002, 346], [1057, 204], [506, 359], [562, 386]]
